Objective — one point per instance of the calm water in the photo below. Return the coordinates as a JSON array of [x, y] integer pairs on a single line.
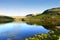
[[19, 31]]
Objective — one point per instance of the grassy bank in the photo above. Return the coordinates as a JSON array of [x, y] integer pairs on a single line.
[[44, 20], [48, 36], [6, 19]]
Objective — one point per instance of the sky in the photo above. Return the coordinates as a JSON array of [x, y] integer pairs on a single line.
[[25, 7]]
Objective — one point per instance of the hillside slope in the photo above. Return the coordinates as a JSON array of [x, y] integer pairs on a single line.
[[5, 19], [50, 17], [53, 11]]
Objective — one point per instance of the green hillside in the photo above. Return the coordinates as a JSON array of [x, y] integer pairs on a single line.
[[47, 18], [5, 19], [53, 11]]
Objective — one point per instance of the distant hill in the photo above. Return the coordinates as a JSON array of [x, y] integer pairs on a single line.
[[6, 19], [18, 18], [52, 11]]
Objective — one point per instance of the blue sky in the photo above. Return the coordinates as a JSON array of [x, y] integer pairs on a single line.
[[24, 7]]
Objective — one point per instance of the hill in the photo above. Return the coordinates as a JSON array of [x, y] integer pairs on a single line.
[[5, 19], [50, 17], [52, 11]]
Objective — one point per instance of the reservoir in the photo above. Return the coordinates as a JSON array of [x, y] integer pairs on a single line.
[[20, 31]]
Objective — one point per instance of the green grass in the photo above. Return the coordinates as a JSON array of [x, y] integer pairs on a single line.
[[48, 36], [45, 20]]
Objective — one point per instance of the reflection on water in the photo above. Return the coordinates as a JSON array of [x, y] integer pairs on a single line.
[[54, 28], [19, 31], [53, 34]]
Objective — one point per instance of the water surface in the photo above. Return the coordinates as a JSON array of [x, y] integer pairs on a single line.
[[19, 31]]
